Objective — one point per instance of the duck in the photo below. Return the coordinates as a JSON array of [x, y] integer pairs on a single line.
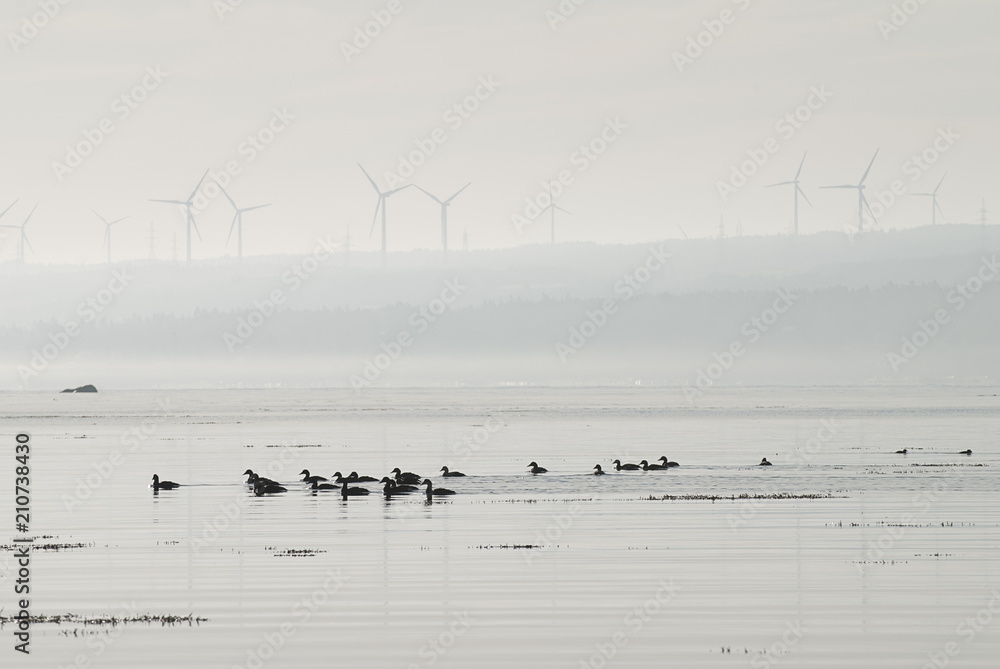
[[967, 451], [254, 478], [163, 485], [764, 463], [535, 469], [436, 492], [627, 466], [901, 451], [405, 477], [389, 489], [306, 478], [316, 485], [448, 472], [598, 471], [352, 492], [260, 488], [646, 467], [353, 477], [398, 487], [668, 463]]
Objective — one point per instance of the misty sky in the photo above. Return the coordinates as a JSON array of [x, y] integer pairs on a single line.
[[610, 67]]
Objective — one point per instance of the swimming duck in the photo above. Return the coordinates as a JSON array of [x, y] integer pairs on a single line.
[[432, 491], [354, 478], [260, 488], [163, 485], [967, 451], [405, 477], [646, 467], [398, 487], [901, 452], [668, 463], [598, 471], [535, 469], [352, 492], [447, 472], [316, 485], [254, 478], [627, 466], [764, 463], [309, 479]]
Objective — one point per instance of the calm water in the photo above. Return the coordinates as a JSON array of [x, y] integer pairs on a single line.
[[865, 558]]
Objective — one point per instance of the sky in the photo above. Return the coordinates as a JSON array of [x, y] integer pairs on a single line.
[[111, 103]]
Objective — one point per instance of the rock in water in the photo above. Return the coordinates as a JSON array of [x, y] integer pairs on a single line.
[[82, 389]]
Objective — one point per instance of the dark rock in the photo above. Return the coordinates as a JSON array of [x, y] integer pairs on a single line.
[[82, 389]]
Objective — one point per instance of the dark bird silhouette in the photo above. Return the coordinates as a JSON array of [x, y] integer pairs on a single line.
[[535, 469], [436, 492], [309, 479], [448, 472], [163, 485], [627, 466]]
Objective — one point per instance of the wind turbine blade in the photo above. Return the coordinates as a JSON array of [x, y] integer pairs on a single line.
[[26, 242], [8, 208], [867, 206], [227, 196], [682, 230], [118, 221], [170, 202], [375, 217], [107, 237], [231, 228], [561, 209], [803, 194], [800, 166], [939, 184], [845, 186], [428, 194], [103, 220], [259, 206], [396, 190], [938, 207], [195, 191], [370, 180], [783, 183], [194, 224], [29, 216], [458, 193], [865, 175]]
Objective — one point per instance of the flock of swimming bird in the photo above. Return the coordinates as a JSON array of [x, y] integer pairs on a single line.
[[403, 483]]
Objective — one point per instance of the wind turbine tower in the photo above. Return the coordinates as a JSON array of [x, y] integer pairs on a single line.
[[934, 205], [23, 235], [862, 200], [444, 215], [552, 208], [107, 231], [238, 222], [187, 204], [796, 192], [383, 196]]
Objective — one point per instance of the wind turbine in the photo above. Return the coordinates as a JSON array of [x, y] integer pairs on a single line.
[[24, 235], [107, 231], [444, 215], [862, 200], [238, 222], [382, 197], [798, 190], [934, 205], [187, 204], [552, 207]]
